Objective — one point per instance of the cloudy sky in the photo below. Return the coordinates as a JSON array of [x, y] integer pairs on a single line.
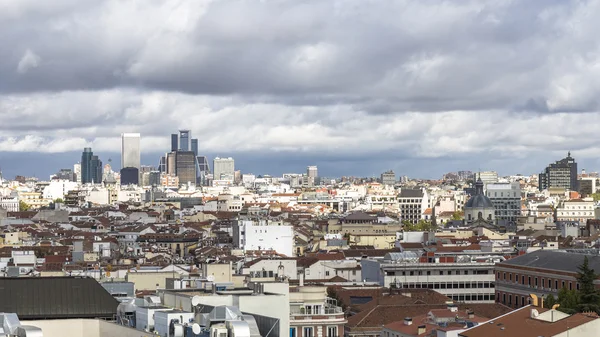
[[354, 86]]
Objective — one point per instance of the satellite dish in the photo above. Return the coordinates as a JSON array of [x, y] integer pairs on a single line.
[[210, 278], [195, 301], [196, 329]]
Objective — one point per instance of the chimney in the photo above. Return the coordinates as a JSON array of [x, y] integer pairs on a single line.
[[301, 281], [470, 314], [421, 329], [407, 321], [453, 307]]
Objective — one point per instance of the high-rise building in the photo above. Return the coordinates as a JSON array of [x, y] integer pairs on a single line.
[[130, 176], [171, 163], [203, 170], [77, 173], [174, 142], [195, 146], [162, 164], [560, 174], [223, 168], [312, 175], [185, 167], [91, 167], [388, 178], [185, 140], [154, 179], [130, 150], [65, 174], [487, 177]]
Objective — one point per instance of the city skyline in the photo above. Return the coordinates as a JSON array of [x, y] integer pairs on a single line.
[[328, 167], [426, 93]]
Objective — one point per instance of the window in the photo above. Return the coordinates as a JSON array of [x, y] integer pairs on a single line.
[[307, 331], [292, 332], [332, 331], [327, 273]]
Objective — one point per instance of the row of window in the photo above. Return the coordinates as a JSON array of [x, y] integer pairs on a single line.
[[444, 285], [512, 300], [552, 284], [472, 297], [309, 331], [439, 272]]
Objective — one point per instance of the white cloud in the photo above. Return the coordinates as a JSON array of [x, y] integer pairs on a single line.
[[425, 79], [29, 61]]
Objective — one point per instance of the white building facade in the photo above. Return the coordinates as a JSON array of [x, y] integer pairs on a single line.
[[249, 235]]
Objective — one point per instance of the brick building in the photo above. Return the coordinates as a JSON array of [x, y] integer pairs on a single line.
[[542, 273]]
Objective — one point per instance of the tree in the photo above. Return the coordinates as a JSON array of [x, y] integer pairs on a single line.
[[568, 300], [589, 297], [458, 215], [550, 301], [408, 226], [59, 201], [425, 226], [23, 207], [595, 196]]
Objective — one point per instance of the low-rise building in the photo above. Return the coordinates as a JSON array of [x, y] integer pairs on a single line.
[[542, 272]]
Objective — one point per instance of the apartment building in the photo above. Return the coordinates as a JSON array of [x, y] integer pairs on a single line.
[[412, 204], [576, 210], [251, 235], [506, 198], [313, 314]]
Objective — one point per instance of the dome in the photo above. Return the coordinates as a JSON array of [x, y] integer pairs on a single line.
[[479, 200]]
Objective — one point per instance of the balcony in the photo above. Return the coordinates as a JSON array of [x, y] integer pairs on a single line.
[[321, 313]]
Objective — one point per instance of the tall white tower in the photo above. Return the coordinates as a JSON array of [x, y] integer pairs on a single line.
[[130, 150]]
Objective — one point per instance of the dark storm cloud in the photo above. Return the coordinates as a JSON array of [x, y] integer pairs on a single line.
[[395, 56]]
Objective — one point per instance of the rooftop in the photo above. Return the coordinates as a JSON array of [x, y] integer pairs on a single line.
[[520, 323]]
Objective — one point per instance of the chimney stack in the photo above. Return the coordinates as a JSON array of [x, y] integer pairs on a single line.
[[470, 314], [421, 329], [453, 307], [407, 321]]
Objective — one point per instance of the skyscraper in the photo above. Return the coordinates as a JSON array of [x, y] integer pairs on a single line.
[[185, 167], [162, 164], [130, 150], [312, 175], [174, 142], [185, 140], [195, 147], [86, 168], [91, 167], [223, 168], [561, 174]]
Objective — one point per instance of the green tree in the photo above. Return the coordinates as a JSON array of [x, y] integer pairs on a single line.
[[589, 297], [425, 226], [596, 196], [549, 301], [408, 226], [457, 215], [568, 300], [59, 201], [23, 207]]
